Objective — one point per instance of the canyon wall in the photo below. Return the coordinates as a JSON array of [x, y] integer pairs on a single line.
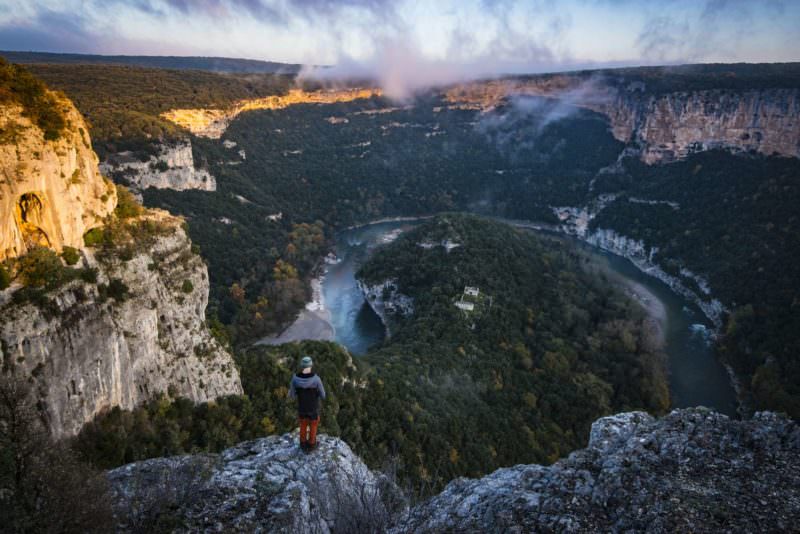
[[87, 352], [671, 126], [51, 192], [173, 168], [127, 322], [666, 126], [212, 123]]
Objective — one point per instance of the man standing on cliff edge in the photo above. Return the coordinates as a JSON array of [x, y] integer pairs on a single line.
[[307, 388]]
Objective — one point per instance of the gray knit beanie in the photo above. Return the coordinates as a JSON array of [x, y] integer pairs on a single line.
[[306, 362]]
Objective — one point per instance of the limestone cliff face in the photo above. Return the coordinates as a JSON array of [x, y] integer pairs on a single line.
[[665, 126], [87, 353], [692, 471], [671, 126], [174, 168], [51, 192], [387, 301], [213, 122]]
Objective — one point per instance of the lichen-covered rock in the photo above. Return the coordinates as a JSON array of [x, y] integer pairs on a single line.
[[87, 353], [692, 471], [266, 485], [173, 168], [51, 192]]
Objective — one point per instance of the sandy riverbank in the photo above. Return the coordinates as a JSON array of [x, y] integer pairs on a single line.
[[308, 325], [314, 322]]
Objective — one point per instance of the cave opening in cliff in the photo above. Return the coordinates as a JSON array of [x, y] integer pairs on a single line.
[[30, 216]]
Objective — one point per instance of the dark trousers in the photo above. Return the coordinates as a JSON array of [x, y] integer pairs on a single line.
[[308, 427]]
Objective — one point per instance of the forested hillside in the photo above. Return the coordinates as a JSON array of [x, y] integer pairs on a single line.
[[447, 395], [383, 161], [123, 103], [736, 221]]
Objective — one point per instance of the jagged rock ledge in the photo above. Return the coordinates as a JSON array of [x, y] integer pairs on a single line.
[[693, 470], [266, 485]]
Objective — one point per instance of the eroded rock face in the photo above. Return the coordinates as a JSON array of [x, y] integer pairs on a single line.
[[671, 126], [691, 471], [174, 168], [51, 192], [87, 354], [266, 485]]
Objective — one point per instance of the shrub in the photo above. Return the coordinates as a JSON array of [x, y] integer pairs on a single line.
[[89, 275], [70, 255], [5, 278], [93, 237], [127, 205], [187, 286], [41, 268], [117, 290]]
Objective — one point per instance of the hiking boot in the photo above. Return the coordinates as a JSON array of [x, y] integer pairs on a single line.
[[311, 447], [304, 446]]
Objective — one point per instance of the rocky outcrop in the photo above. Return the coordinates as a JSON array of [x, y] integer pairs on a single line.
[[691, 471], [266, 485], [51, 192], [213, 122], [86, 352], [387, 301], [667, 126], [173, 168]]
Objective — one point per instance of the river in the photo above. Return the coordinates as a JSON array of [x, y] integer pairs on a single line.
[[696, 377]]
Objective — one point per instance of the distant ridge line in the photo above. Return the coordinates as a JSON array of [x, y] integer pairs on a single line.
[[211, 64]]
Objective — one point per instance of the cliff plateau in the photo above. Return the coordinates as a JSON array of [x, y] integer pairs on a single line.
[[51, 192], [691, 471], [212, 123]]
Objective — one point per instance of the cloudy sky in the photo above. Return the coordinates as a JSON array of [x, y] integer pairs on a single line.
[[437, 35]]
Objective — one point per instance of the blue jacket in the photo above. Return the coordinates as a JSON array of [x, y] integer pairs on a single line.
[[307, 388]]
